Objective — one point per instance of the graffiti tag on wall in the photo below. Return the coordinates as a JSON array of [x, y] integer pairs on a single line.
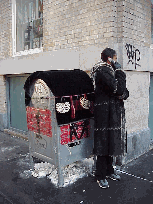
[[133, 55]]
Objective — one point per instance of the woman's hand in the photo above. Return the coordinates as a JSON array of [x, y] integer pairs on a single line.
[[125, 95], [115, 65]]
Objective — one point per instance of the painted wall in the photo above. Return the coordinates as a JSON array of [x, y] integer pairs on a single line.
[[137, 105], [3, 104]]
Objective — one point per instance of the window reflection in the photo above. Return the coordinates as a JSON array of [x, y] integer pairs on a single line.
[[29, 24], [152, 21]]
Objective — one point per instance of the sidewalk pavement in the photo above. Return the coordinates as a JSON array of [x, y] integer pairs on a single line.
[[136, 185]]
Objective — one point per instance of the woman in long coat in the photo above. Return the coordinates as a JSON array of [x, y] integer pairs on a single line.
[[109, 115]]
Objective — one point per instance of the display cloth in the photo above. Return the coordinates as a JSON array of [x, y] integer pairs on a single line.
[[73, 91]]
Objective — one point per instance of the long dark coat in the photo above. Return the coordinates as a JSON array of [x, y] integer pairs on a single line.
[[110, 136]]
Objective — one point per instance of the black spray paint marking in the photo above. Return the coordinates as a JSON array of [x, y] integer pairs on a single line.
[[133, 54], [40, 142]]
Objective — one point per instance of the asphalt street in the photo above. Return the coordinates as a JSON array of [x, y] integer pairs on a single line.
[[136, 185]]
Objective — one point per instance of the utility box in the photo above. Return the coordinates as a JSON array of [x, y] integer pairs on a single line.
[[59, 107]]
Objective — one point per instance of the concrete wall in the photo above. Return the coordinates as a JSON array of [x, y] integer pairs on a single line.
[[137, 105], [3, 107], [137, 113], [5, 52]]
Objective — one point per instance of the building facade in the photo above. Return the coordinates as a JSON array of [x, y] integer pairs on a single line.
[[38, 35]]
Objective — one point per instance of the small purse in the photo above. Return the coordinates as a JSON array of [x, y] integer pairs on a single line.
[[84, 102], [63, 107]]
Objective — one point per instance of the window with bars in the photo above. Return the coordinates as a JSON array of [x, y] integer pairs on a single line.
[[29, 24]]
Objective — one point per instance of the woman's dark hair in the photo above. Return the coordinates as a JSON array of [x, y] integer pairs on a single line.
[[107, 52]]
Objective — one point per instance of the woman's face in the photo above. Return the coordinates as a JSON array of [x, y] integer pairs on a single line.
[[115, 58]]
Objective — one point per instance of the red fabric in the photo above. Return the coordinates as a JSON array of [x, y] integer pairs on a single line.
[[44, 121], [66, 130], [72, 108], [65, 134]]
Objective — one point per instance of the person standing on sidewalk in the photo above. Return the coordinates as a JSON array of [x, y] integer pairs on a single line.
[[109, 115]]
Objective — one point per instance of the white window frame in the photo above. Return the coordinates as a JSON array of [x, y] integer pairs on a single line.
[[25, 52]]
